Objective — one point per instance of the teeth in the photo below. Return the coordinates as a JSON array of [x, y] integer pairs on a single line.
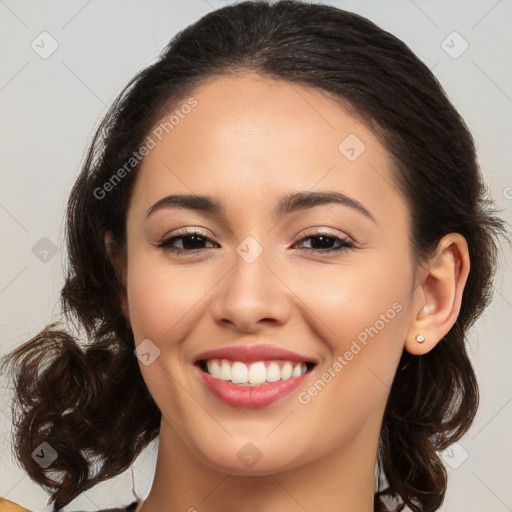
[[254, 373], [286, 370], [297, 370], [239, 373], [273, 372], [257, 373], [225, 371]]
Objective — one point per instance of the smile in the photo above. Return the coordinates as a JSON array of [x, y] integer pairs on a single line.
[[253, 374]]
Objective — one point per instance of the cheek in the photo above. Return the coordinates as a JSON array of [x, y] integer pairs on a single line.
[[361, 313], [161, 297], [347, 302]]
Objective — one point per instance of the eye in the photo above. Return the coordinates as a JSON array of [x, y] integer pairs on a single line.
[[323, 240], [192, 242], [191, 239]]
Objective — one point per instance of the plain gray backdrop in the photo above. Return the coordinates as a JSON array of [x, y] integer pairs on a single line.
[[62, 64]]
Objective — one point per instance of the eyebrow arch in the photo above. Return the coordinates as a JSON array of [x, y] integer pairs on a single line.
[[288, 203]]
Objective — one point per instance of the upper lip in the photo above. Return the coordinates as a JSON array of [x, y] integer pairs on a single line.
[[251, 353]]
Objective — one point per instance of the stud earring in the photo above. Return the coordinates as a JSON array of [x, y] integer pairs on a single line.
[[420, 338]]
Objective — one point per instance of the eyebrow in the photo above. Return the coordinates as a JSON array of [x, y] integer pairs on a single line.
[[287, 204]]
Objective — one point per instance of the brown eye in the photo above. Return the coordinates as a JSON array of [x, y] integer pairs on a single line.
[[191, 241], [323, 241]]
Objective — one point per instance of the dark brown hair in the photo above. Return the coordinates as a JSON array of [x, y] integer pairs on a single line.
[[82, 392]]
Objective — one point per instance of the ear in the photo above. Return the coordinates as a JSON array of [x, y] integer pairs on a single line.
[[118, 260], [438, 294]]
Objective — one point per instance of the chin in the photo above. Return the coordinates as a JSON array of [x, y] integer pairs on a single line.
[[248, 456], [226, 463]]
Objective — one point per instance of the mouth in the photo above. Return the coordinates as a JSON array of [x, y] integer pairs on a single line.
[[254, 374]]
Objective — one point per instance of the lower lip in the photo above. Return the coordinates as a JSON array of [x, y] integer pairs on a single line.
[[250, 397]]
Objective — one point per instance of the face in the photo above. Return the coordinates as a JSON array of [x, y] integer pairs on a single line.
[[328, 280]]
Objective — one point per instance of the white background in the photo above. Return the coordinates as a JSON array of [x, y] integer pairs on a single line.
[[50, 107]]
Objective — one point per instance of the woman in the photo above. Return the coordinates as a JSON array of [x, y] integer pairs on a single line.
[[275, 253]]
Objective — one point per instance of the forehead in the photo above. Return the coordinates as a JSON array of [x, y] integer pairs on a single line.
[[252, 139]]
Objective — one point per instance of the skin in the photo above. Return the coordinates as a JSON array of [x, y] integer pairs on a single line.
[[248, 141]]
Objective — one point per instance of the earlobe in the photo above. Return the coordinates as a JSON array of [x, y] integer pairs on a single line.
[[439, 296]]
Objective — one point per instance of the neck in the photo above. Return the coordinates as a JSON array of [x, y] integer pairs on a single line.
[[341, 480]]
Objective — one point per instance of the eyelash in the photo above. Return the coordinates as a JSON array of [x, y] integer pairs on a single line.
[[166, 244]]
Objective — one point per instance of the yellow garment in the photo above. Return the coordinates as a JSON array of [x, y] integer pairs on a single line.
[[10, 506]]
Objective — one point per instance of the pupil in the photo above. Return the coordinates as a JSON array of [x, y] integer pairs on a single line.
[[317, 241], [190, 241]]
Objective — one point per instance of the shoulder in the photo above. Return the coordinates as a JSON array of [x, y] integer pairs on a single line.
[[10, 506]]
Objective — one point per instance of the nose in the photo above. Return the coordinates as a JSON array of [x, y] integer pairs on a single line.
[[251, 296]]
